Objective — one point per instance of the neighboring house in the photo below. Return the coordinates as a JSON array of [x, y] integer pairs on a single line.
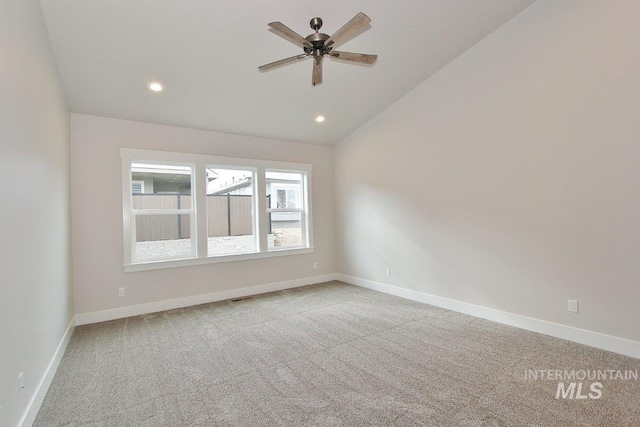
[[283, 193], [160, 179]]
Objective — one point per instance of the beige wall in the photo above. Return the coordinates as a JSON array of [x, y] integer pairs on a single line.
[[35, 265], [97, 215], [511, 178]]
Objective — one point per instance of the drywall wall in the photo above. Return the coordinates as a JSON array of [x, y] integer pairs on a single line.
[[36, 304], [511, 178], [96, 188]]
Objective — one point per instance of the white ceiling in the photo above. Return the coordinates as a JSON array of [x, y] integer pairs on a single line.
[[206, 53]]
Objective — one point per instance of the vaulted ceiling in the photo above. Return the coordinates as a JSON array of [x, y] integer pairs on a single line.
[[206, 54]]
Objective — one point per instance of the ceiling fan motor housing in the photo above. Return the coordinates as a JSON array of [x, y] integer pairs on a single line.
[[317, 40]]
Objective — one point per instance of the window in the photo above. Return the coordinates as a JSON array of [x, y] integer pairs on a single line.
[[286, 199], [230, 211], [285, 192], [183, 209], [162, 217], [137, 187]]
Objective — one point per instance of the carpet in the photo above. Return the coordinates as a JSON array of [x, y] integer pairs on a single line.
[[328, 355]]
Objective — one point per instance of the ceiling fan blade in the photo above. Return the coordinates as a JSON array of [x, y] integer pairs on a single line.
[[285, 61], [357, 24], [289, 34], [317, 71], [361, 58]]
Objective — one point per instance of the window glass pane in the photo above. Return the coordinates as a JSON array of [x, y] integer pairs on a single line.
[[158, 186], [230, 224], [284, 192], [285, 230], [163, 237]]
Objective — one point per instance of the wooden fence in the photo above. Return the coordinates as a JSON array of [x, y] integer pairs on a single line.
[[226, 216]]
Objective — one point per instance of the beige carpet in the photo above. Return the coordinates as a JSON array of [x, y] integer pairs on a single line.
[[329, 354]]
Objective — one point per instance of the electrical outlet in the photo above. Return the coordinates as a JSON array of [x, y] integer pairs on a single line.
[[120, 292], [573, 305], [315, 265], [388, 272], [21, 382]]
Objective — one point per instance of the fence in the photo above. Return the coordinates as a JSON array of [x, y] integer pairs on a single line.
[[227, 215]]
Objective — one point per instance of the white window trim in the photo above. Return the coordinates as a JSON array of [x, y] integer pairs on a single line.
[[254, 207], [199, 227], [304, 218]]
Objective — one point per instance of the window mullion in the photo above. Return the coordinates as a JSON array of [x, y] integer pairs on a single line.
[[306, 200], [200, 199], [262, 222], [128, 218]]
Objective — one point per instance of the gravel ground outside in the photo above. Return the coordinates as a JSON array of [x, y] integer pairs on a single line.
[[154, 249]]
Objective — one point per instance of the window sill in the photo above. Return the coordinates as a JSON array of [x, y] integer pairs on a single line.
[[157, 265]]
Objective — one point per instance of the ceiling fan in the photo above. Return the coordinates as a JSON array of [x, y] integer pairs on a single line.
[[317, 45]]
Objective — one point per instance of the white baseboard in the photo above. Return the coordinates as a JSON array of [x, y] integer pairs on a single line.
[[569, 333], [35, 403], [136, 310]]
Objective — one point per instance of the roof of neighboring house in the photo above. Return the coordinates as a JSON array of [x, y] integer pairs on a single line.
[[227, 188]]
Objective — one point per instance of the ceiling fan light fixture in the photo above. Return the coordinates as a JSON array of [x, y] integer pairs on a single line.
[[155, 87]]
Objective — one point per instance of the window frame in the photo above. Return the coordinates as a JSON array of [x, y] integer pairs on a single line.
[[254, 207], [134, 213], [198, 224], [303, 210]]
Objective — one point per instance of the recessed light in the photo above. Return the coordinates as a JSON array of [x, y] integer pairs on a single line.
[[320, 119], [156, 87]]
